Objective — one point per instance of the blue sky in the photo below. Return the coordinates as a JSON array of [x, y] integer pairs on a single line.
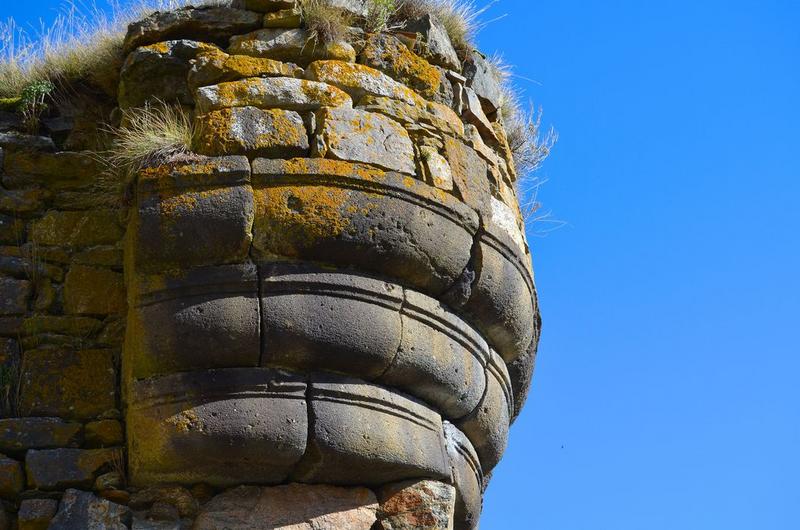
[[667, 393]]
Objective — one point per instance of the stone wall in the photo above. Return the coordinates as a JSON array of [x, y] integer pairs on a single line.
[[325, 318]]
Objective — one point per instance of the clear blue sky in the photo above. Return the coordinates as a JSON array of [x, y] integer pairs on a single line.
[[667, 391]]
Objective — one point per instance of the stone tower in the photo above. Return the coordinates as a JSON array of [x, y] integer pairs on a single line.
[[325, 317]]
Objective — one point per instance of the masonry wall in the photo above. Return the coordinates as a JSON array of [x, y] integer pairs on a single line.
[[325, 316]]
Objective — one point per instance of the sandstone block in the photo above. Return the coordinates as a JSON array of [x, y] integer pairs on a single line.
[[356, 216], [82, 510], [416, 505], [35, 514], [434, 116], [251, 131], [470, 175], [282, 92], [359, 80], [93, 291], [359, 136], [206, 318], [78, 384], [293, 45], [316, 320], [12, 478], [14, 296], [221, 427], [365, 434], [440, 49], [52, 469], [217, 66], [20, 434], [467, 478], [209, 24], [290, 507], [77, 229]]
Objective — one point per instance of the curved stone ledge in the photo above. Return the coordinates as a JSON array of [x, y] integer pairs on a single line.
[[487, 426], [221, 427], [366, 434], [202, 318], [467, 477], [355, 216]]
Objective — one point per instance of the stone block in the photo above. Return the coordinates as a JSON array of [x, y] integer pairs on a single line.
[[12, 478], [204, 318], [439, 48], [292, 45], [104, 433], [93, 291], [520, 372], [470, 175], [292, 507], [77, 229], [176, 496], [357, 136], [356, 216], [69, 384], [473, 113], [71, 326], [416, 505], [55, 171], [269, 92], [12, 230], [220, 427], [437, 169], [209, 24], [20, 434], [83, 510], [263, 6], [253, 132], [35, 514], [482, 77], [285, 18], [441, 358], [487, 426], [14, 296], [467, 478], [54, 469], [435, 117], [20, 202], [217, 66], [366, 434], [359, 80], [329, 321]]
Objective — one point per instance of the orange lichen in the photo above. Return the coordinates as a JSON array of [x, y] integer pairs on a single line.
[[402, 64]]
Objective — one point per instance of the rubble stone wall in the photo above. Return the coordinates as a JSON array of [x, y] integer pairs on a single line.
[[326, 318]]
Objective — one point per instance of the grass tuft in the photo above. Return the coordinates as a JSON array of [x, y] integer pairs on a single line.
[[459, 17], [379, 14], [325, 23]]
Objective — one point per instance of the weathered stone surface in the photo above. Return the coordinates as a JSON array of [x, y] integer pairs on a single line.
[[176, 496], [487, 426], [14, 296], [5, 517], [473, 113], [416, 505], [282, 92], [520, 372], [159, 72], [357, 216], [64, 325], [194, 219], [441, 359], [437, 169], [483, 79], [293, 45], [358, 136], [14, 140], [507, 221], [251, 131], [216, 66], [55, 171], [440, 50], [359, 80], [206, 318], [68, 384], [316, 320], [103, 256], [81, 510], [21, 434], [77, 229], [366, 434], [104, 433], [93, 291], [12, 230], [209, 24], [12, 478], [221, 427], [285, 18], [263, 6], [436, 117], [51, 469], [467, 478], [21, 202], [290, 507], [470, 175], [35, 514]]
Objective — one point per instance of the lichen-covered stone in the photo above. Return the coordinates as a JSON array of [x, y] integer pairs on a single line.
[[438, 46], [282, 92], [437, 169], [358, 136], [210, 24], [473, 113], [104, 433], [159, 72], [20, 434], [20, 202], [290, 507], [178, 497], [93, 291], [52, 469], [285, 18], [78, 384], [12, 478], [292, 45], [83, 510], [64, 325], [35, 514], [251, 131], [77, 229], [263, 6], [12, 230], [14, 296], [359, 80], [470, 175], [416, 505], [483, 78], [216, 66], [438, 118], [54, 171]]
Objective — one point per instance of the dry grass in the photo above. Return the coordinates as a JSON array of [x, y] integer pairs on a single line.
[[459, 17], [379, 14], [325, 23]]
